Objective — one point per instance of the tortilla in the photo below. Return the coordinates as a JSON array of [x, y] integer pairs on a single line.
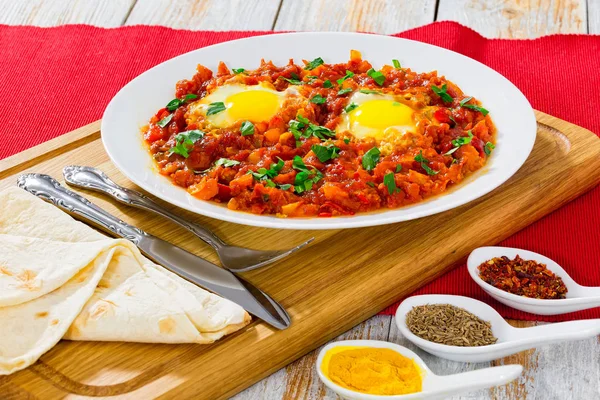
[[60, 279]]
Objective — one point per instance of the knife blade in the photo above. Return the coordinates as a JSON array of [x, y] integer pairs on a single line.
[[177, 260]]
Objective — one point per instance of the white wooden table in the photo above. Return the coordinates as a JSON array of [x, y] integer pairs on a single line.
[[567, 371]]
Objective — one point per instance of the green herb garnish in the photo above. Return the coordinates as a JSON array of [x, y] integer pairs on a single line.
[[264, 174], [489, 146], [398, 168], [372, 184], [292, 81], [285, 186], [247, 128], [390, 183], [226, 162], [377, 76], [463, 140], [325, 153], [318, 99], [215, 108], [305, 178], [175, 103], [314, 64], [165, 121], [350, 107], [442, 92], [327, 84], [238, 70], [349, 74], [420, 159], [346, 140], [396, 64], [371, 158], [184, 141], [463, 103], [369, 91], [344, 91]]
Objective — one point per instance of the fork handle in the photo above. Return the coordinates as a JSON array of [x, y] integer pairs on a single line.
[[93, 179]]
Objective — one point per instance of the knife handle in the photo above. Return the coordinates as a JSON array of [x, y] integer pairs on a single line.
[[49, 189]]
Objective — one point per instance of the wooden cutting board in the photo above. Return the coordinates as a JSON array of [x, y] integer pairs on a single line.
[[343, 278]]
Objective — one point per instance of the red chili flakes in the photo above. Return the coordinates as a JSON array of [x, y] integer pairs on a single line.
[[522, 277]]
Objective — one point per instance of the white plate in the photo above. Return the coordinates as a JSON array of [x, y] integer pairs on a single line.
[[133, 106]]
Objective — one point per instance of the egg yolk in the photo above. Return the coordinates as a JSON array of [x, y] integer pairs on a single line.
[[252, 105], [381, 114]]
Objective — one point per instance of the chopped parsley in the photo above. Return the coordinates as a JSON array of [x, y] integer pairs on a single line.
[[247, 128], [390, 183], [318, 99], [442, 92], [314, 64], [396, 103], [372, 184], [312, 79], [165, 121], [325, 153], [369, 91], [302, 127], [371, 158], [327, 84], [264, 174], [344, 91], [292, 81], [305, 178], [226, 162], [349, 74], [398, 168], [176, 103], [346, 140], [460, 141], [184, 141], [377, 76], [396, 64], [285, 186], [463, 103], [215, 108], [238, 70], [350, 107], [489, 146], [420, 159]]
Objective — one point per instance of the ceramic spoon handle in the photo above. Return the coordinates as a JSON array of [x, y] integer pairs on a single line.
[[544, 334], [473, 380]]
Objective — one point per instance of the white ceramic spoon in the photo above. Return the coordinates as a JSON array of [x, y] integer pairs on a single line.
[[578, 297], [511, 340], [434, 386]]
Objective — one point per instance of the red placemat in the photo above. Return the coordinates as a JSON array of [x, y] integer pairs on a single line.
[[54, 80]]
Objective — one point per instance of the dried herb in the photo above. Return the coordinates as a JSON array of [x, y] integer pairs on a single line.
[[450, 325], [522, 277]]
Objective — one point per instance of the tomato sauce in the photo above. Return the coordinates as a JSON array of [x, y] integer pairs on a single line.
[[453, 138]]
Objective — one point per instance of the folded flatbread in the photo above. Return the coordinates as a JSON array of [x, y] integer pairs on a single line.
[[61, 279]]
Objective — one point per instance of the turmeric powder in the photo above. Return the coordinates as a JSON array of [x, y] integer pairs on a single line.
[[372, 370]]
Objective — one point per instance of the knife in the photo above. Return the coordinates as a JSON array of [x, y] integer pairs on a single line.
[[177, 260]]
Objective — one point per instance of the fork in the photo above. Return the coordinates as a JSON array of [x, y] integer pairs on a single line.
[[233, 258]]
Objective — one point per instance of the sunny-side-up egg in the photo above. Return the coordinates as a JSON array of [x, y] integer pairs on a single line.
[[256, 103], [379, 116]]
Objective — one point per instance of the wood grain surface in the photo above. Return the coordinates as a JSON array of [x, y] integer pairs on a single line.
[[564, 367], [324, 287], [517, 18], [206, 14], [381, 16]]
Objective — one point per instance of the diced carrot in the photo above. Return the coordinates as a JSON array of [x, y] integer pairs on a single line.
[[206, 189], [272, 135]]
